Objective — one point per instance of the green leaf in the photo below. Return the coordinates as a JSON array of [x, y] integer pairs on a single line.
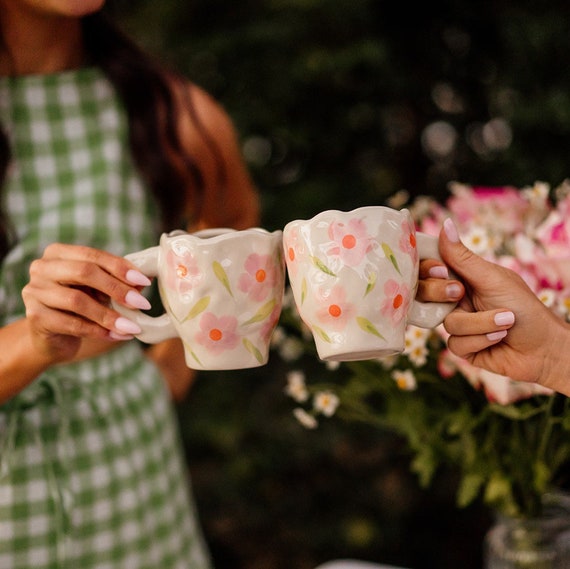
[[390, 254], [424, 465], [498, 490], [303, 290], [372, 278], [542, 475], [368, 327], [199, 307], [249, 346], [321, 266], [222, 276], [262, 313], [469, 489], [322, 334], [191, 352]]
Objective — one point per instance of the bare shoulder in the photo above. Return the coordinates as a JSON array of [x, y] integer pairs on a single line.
[[208, 134], [200, 115]]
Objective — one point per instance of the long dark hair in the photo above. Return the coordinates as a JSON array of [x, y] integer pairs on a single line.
[[148, 95]]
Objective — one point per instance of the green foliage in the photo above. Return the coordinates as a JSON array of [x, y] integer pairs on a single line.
[[508, 455]]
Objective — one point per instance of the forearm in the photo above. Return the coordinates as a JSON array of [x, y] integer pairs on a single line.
[[168, 356], [20, 363]]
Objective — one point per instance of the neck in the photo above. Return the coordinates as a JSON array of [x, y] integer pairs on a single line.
[[33, 44]]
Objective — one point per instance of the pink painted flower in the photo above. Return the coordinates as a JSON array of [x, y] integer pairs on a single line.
[[260, 277], [217, 334], [294, 248], [397, 301], [408, 240], [334, 311], [351, 241], [182, 271]]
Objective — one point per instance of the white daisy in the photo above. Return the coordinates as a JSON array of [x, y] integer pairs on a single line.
[[326, 402], [306, 419], [405, 379]]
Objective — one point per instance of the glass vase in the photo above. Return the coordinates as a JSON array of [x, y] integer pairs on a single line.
[[542, 542]]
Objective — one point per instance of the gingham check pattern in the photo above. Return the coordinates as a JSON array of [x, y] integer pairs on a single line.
[[91, 470]]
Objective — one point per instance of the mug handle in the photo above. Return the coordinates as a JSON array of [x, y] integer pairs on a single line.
[[428, 314], [154, 328]]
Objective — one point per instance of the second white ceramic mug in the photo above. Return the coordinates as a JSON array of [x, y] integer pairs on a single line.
[[354, 277]]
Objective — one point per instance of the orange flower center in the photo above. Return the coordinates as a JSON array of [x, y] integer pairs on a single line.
[[398, 300], [291, 253], [335, 310], [348, 241], [215, 334], [260, 275], [413, 240], [182, 271]]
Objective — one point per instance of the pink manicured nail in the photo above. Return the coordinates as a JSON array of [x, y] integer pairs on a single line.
[[439, 272], [451, 230], [137, 300], [137, 278], [494, 336], [124, 325], [453, 291], [116, 336], [504, 318]]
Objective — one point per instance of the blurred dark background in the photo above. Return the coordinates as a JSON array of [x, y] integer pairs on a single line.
[[339, 104]]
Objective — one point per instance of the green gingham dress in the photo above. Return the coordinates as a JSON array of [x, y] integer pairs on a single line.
[[91, 468]]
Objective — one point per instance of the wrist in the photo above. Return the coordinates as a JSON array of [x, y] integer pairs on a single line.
[[556, 367], [20, 361]]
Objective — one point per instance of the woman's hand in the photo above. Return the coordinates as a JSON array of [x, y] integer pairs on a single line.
[[500, 325], [67, 299]]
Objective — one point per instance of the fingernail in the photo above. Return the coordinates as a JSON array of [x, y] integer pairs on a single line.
[[453, 291], [439, 272], [451, 230], [137, 278], [117, 336], [504, 318], [493, 336], [137, 300], [123, 324]]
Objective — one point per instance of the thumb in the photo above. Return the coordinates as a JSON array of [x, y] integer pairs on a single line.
[[469, 266]]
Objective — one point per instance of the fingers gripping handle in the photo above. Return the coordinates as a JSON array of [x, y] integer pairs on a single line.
[[154, 328], [428, 314]]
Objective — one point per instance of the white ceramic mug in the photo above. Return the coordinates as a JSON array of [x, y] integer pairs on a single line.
[[354, 276], [222, 291]]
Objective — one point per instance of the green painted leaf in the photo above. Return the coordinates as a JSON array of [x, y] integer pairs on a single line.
[[222, 276], [322, 334], [303, 290], [262, 313], [372, 278], [199, 307], [367, 326], [249, 346], [191, 352], [321, 266], [390, 254]]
